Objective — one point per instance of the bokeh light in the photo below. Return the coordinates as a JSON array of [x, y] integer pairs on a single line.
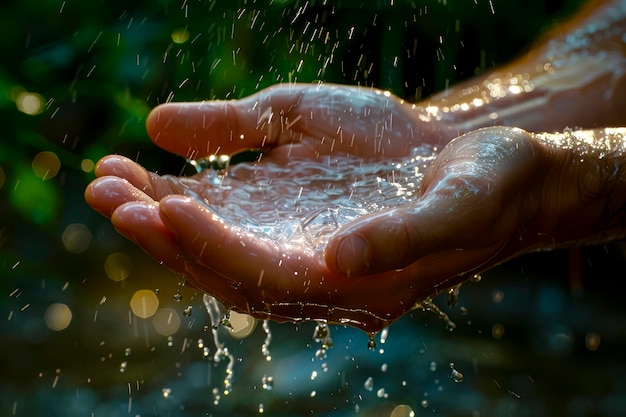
[[144, 303], [592, 341], [180, 35], [241, 325], [87, 165], [76, 238], [402, 410], [166, 321], [58, 316], [29, 103], [118, 266], [46, 165]]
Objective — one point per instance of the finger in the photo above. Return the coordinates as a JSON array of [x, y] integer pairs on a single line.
[[312, 118], [194, 130], [395, 240], [142, 224], [143, 180], [106, 194], [255, 263], [473, 197]]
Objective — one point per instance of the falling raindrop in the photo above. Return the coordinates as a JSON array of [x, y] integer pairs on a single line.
[[371, 343], [267, 382], [455, 375], [453, 295], [221, 352], [428, 305], [321, 335], [181, 283]]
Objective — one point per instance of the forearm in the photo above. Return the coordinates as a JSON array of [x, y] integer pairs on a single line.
[[575, 78], [582, 196]]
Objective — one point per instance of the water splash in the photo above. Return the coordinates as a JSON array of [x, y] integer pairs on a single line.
[[181, 283], [304, 202], [455, 375], [453, 295], [221, 351], [266, 343], [321, 335], [428, 305]]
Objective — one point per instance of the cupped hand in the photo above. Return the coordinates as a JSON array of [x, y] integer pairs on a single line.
[[472, 205]]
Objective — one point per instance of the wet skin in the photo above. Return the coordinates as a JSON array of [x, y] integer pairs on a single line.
[[490, 194]]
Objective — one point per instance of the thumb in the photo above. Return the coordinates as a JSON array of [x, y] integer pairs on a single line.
[[387, 240], [475, 196]]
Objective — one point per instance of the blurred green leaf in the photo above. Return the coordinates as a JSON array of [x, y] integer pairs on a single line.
[[36, 199]]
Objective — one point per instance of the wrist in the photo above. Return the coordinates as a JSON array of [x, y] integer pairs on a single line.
[[583, 193]]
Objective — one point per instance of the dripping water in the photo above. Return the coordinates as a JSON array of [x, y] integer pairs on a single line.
[[221, 351]]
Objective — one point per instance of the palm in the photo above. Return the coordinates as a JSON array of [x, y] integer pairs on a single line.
[[240, 265], [214, 230]]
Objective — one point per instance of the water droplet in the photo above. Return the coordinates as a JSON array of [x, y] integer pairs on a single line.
[[424, 403], [261, 409], [265, 347], [181, 283], [313, 375], [170, 341], [214, 308], [402, 410], [455, 375], [267, 382], [428, 305], [320, 354], [453, 295], [123, 366], [369, 383], [166, 392], [433, 366], [187, 311], [476, 278], [381, 393], [371, 343], [128, 351], [321, 332], [383, 335]]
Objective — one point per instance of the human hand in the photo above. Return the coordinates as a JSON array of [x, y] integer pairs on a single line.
[[177, 220]]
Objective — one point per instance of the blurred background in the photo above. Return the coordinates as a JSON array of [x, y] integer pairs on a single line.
[[91, 326]]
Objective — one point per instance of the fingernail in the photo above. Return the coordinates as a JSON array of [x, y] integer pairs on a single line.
[[353, 255]]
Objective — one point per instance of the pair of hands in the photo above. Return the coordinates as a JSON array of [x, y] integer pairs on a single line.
[[476, 205]]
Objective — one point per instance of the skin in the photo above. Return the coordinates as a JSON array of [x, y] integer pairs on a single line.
[[492, 193]]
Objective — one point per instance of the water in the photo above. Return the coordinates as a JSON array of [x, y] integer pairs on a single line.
[[303, 201], [213, 308]]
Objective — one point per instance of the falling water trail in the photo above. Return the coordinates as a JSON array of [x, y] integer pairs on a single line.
[[321, 335], [428, 305], [221, 351]]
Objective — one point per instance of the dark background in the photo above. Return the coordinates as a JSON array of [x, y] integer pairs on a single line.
[[543, 335]]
